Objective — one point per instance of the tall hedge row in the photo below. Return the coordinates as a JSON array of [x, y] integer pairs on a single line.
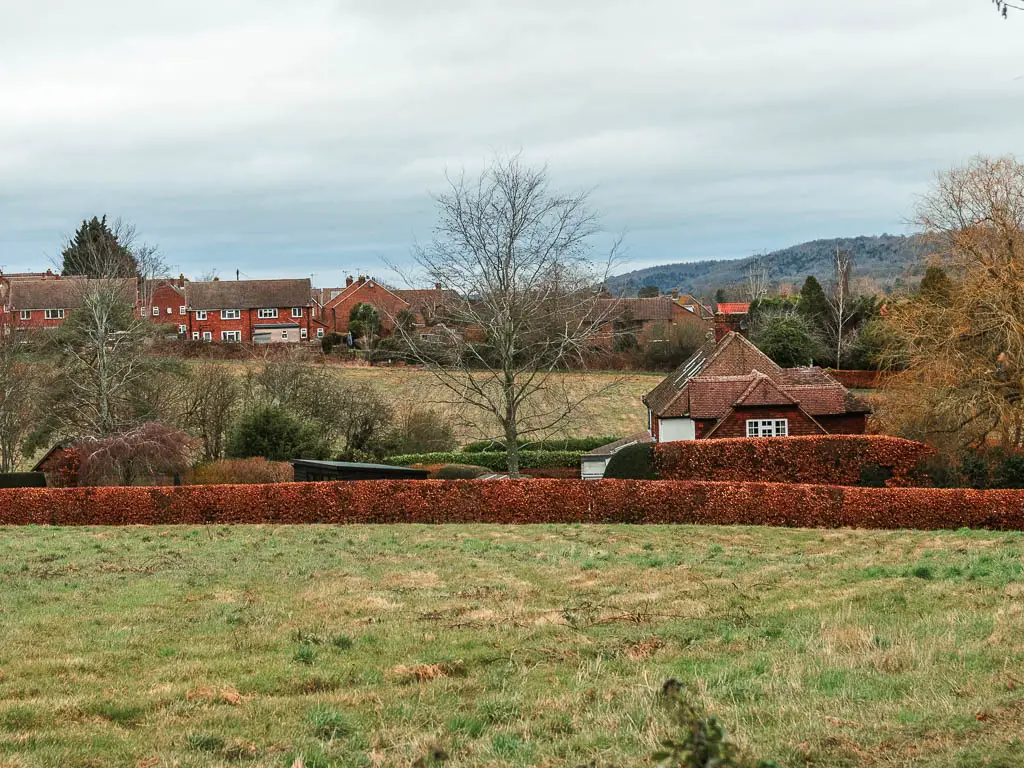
[[824, 460], [493, 460], [520, 501]]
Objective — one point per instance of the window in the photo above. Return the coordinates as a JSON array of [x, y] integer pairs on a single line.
[[207, 336], [26, 314], [168, 310], [230, 314], [234, 336], [181, 310], [767, 428], [182, 329], [303, 333], [268, 314], [319, 333], [156, 311], [54, 314], [296, 311], [284, 335], [195, 335], [200, 314]]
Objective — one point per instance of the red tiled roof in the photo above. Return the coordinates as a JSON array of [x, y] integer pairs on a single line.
[[732, 308], [661, 308], [61, 293]]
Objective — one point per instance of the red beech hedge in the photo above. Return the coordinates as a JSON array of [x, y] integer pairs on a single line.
[[826, 460], [519, 501]]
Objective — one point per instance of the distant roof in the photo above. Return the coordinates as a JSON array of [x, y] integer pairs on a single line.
[[62, 292], [732, 308], [613, 448], [249, 294], [733, 372], [659, 308]]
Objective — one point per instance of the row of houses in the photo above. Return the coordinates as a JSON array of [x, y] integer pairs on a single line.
[[245, 311], [292, 310]]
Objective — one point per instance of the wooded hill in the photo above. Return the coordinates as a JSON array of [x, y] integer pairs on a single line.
[[892, 260]]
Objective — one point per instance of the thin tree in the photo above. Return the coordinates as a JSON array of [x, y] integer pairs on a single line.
[[517, 255], [18, 398], [756, 284], [152, 267], [841, 300]]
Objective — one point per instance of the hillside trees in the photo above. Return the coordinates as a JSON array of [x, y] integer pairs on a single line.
[[962, 340], [520, 254]]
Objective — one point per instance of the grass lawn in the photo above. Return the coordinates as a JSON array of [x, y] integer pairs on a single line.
[[539, 645]]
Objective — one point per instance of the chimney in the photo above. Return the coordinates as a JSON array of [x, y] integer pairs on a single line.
[[216, 278], [437, 286], [49, 273], [675, 293], [362, 278], [181, 280], [348, 281], [722, 327]]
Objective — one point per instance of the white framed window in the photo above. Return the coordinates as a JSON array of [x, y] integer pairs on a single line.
[[26, 314], [296, 311], [181, 310], [230, 314], [207, 336], [319, 333], [231, 336], [303, 333], [54, 314], [168, 310], [268, 314], [200, 314], [182, 329], [284, 335], [767, 427], [156, 311], [195, 335]]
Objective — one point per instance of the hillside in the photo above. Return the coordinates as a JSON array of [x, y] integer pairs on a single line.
[[889, 259]]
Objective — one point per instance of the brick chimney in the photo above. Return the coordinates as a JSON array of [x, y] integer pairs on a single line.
[[181, 280], [348, 281], [437, 286], [216, 278], [362, 279], [722, 326]]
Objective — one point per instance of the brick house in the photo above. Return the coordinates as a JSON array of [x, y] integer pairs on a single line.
[[645, 319], [338, 303], [166, 303], [38, 303], [729, 388], [250, 311]]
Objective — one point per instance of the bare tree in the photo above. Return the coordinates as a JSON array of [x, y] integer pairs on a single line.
[[18, 397], [840, 300], [517, 256], [210, 401], [1005, 7], [757, 283]]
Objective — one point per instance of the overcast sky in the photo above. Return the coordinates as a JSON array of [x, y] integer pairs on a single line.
[[285, 139]]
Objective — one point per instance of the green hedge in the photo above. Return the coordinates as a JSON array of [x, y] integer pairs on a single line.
[[493, 461], [634, 462], [584, 444]]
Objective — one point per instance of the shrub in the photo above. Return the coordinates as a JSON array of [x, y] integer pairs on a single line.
[[423, 430], [826, 460], [330, 341], [460, 472], [496, 462], [519, 502], [273, 433], [634, 462], [566, 444], [242, 471]]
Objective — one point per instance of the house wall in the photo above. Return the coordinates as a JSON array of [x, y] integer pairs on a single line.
[[735, 422], [337, 310], [37, 320], [248, 319], [845, 424], [169, 303], [593, 469]]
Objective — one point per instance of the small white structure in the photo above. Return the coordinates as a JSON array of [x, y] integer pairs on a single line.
[[593, 465]]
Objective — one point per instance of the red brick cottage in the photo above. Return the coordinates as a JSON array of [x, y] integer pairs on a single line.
[[646, 319], [38, 303], [338, 303], [250, 311], [166, 303], [729, 388]]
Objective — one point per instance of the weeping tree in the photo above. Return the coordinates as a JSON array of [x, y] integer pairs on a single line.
[[524, 301]]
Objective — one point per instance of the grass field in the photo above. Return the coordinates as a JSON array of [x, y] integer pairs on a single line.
[[540, 645]]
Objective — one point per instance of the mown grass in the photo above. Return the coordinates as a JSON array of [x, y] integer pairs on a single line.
[[540, 645]]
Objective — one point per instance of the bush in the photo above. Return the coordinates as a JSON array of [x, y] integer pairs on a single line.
[[519, 502], [825, 460], [273, 433], [496, 462], [423, 430], [242, 471], [460, 472], [566, 444], [330, 341], [634, 462]]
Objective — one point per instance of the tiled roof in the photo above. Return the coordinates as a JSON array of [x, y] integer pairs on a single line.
[[734, 372], [661, 308], [249, 294], [732, 308], [426, 298], [61, 293]]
